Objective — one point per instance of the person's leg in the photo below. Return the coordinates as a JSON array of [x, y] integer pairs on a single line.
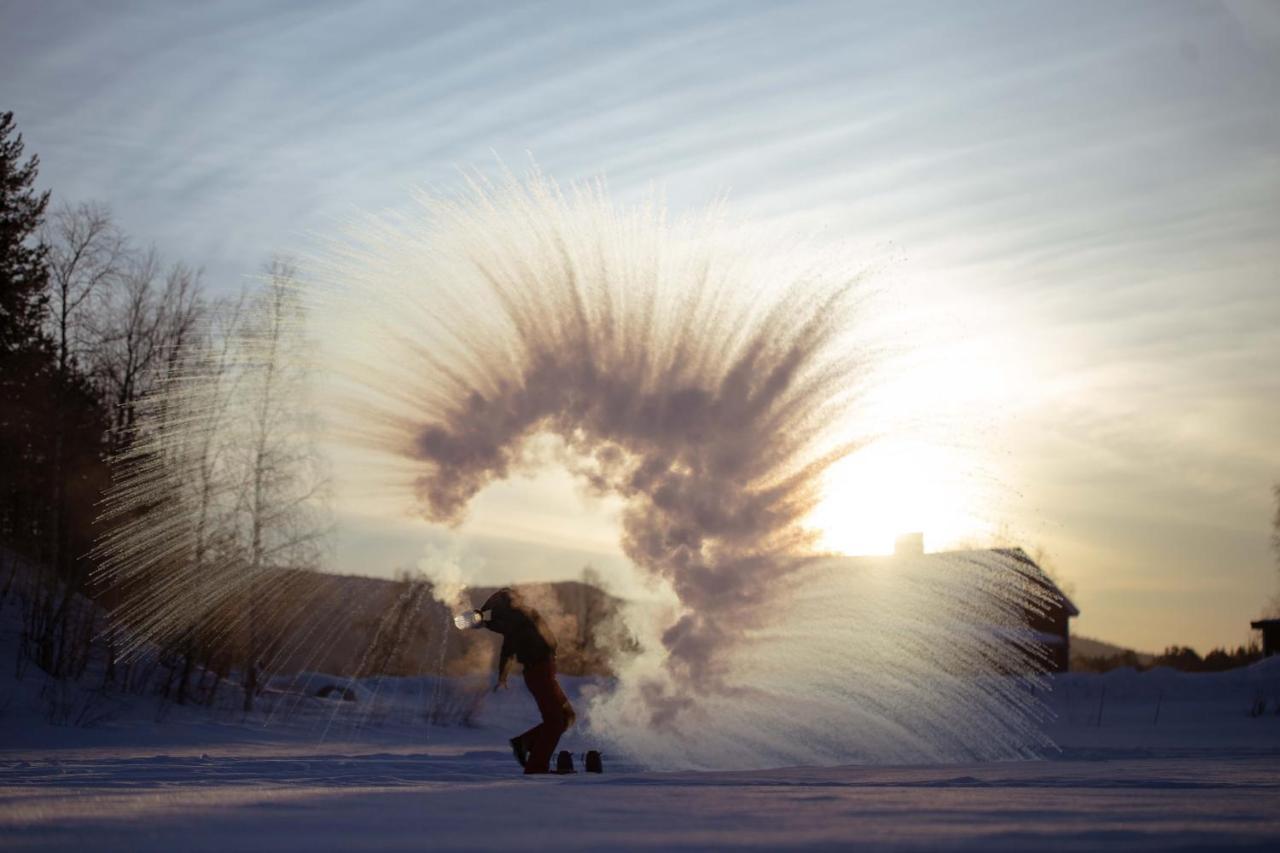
[[556, 715]]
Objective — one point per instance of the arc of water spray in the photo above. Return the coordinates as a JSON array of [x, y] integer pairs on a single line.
[[707, 380]]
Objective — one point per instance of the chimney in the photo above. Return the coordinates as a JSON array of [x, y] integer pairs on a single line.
[[909, 545]]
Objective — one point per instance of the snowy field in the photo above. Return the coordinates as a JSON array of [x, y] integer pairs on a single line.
[[1154, 761]]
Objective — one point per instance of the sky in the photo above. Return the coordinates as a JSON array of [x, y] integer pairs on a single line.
[[1074, 203]]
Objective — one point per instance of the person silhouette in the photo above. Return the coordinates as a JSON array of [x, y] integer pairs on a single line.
[[527, 639]]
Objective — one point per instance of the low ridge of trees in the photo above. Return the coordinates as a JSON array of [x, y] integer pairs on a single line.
[[1181, 658]]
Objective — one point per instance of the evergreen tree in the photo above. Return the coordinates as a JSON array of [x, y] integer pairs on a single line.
[[23, 273], [51, 429], [25, 351]]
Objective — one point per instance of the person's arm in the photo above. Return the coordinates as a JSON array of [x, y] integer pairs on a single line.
[[504, 661]]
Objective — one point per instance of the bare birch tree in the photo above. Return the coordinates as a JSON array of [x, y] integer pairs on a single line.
[[282, 480], [87, 254]]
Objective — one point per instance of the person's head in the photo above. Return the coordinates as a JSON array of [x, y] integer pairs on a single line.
[[502, 600]]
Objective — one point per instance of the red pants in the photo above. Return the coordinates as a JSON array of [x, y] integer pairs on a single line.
[[557, 715]]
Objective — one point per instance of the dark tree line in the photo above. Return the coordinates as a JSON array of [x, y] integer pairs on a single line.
[[1181, 658], [52, 426], [87, 320]]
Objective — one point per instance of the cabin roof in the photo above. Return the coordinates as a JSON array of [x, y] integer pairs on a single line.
[[1043, 576], [1018, 554]]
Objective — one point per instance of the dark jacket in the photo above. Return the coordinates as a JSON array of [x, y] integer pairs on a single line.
[[525, 634]]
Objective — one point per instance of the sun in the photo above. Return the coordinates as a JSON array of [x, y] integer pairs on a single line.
[[894, 487]]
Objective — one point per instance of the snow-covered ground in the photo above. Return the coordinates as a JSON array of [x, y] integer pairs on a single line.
[[1172, 761]]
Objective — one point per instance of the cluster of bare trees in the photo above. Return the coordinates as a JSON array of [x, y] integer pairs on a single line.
[[117, 312], [114, 317], [156, 452], [219, 498]]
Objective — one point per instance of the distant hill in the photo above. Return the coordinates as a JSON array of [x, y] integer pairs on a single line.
[[1085, 647]]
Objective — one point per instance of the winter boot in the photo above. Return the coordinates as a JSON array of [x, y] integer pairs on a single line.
[[519, 749]]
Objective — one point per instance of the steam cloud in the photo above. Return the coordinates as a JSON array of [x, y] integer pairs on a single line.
[[696, 385]]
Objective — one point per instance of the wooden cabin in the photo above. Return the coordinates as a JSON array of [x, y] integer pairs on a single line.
[[1270, 629]]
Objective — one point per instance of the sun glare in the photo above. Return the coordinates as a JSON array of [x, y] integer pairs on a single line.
[[895, 487]]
